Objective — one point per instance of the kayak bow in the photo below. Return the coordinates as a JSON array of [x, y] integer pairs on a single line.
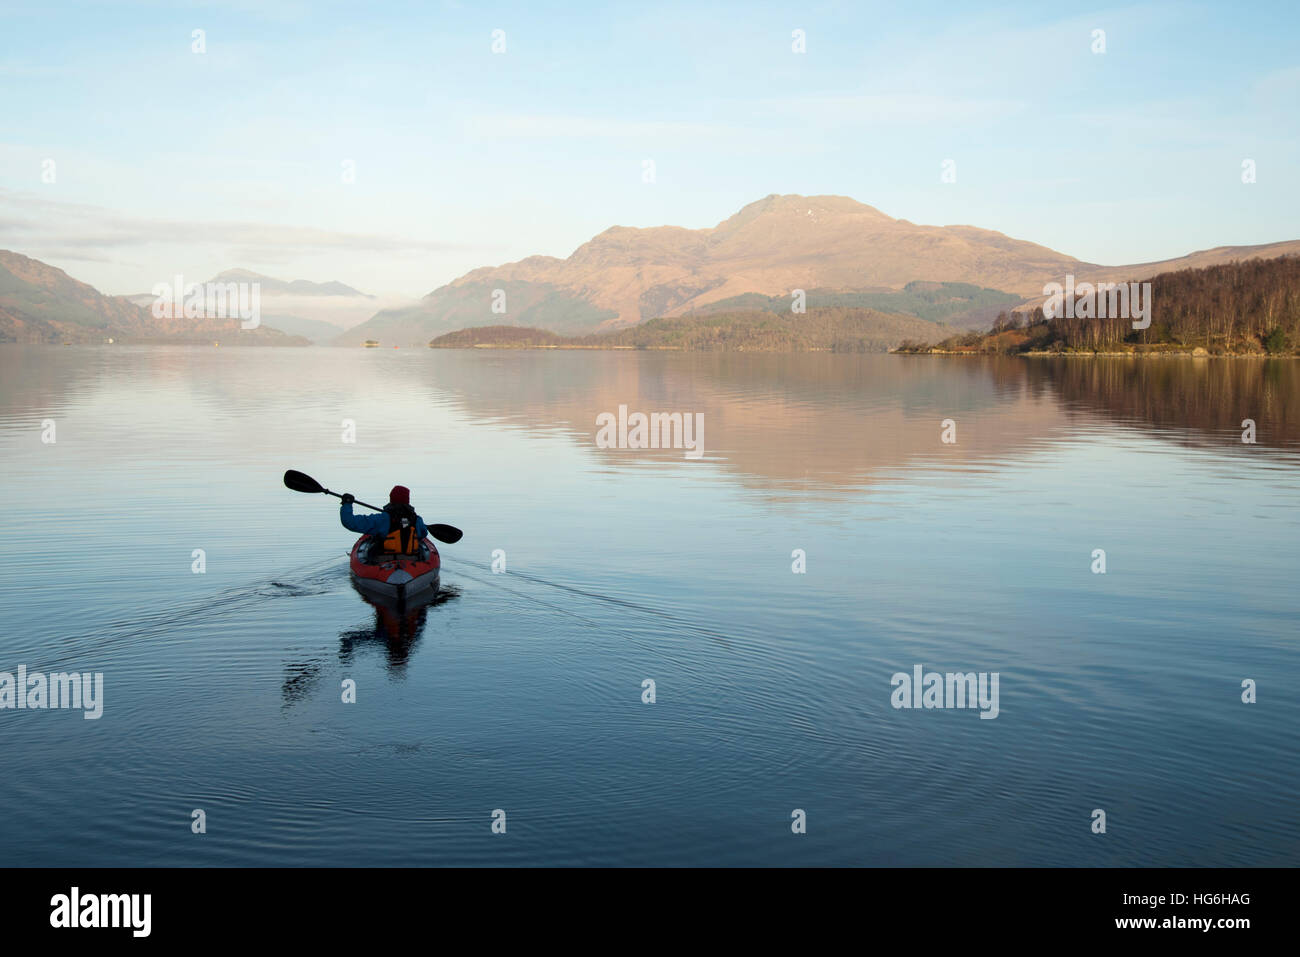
[[397, 578]]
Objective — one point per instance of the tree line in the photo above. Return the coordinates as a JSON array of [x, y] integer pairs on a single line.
[[1244, 307]]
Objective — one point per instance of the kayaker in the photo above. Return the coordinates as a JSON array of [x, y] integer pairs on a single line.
[[397, 530]]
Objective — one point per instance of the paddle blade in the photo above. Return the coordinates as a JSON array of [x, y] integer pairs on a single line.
[[301, 483], [448, 534]]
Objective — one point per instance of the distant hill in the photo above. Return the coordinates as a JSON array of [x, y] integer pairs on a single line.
[[294, 287], [42, 304], [952, 303], [833, 245], [317, 330], [468, 305], [318, 311], [831, 329]]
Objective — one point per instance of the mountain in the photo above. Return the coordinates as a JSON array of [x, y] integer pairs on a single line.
[[955, 303], [296, 287], [39, 303], [465, 305], [318, 311], [42, 304], [316, 330], [827, 244], [624, 276]]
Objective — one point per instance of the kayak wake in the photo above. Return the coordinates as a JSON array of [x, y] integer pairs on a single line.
[[647, 610], [320, 577], [314, 578]]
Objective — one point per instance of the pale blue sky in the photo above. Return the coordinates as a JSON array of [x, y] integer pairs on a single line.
[[170, 161]]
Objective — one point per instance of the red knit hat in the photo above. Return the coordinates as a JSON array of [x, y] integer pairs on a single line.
[[400, 495]]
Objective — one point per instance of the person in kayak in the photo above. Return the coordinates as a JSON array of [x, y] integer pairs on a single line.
[[397, 530]]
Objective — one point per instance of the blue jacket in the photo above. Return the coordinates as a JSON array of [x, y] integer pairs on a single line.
[[376, 524]]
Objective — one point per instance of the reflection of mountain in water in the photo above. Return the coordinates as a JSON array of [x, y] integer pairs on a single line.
[[808, 420], [785, 419], [797, 422]]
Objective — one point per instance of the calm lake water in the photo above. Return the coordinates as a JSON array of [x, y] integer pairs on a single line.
[[522, 690]]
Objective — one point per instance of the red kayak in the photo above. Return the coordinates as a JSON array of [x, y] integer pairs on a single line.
[[396, 578]]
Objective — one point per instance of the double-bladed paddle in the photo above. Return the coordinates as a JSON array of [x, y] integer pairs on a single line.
[[301, 482]]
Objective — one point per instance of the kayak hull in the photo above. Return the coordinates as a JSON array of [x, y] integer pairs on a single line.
[[397, 579]]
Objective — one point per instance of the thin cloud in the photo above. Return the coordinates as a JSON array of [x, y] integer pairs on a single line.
[[37, 221], [892, 109], [567, 126], [49, 254], [1278, 88]]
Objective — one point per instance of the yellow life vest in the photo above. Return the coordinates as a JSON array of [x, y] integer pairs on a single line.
[[404, 539]]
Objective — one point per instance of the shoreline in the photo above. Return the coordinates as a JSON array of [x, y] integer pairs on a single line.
[[1199, 353], [1103, 355]]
